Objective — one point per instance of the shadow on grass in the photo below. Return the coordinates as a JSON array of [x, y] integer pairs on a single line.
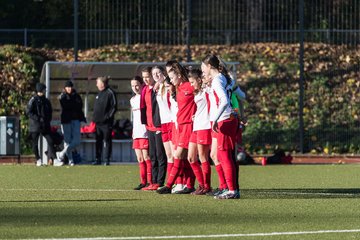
[[300, 193]]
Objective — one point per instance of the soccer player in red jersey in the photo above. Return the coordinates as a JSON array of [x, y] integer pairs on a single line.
[[186, 111], [225, 123], [200, 139]]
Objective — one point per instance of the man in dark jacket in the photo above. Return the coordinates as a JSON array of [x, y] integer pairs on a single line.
[[104, 111], [39, 111], [71, 117]]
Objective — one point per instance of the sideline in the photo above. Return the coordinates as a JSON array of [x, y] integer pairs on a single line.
[[66, 190], [295, 193], [210, 236]]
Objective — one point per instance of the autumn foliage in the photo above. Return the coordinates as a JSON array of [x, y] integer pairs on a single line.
[[267, 72]]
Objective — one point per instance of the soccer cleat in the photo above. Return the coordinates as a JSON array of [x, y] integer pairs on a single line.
[[206, 191], [185, 191], [211, 192], [147, 188], [151, 187], [140, 186], [227, 195], [107, 163], [155, 186], [164, 190], [71, 163], [216, 192], [199, 191], [237, 194], [177, 187]]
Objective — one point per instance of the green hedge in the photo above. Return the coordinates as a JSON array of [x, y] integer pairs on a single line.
[[268, 73]]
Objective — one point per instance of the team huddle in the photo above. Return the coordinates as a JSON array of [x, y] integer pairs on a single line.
[[181, 117]]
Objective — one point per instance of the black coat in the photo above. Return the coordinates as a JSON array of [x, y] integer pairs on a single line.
[[105, 107], [39, 111], [71, 107], [154, 108]]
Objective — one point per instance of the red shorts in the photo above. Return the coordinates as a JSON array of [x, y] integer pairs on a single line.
[[174, 135], [140, 143], [202, 137], [166, 130], [185, 131], [226, 136]]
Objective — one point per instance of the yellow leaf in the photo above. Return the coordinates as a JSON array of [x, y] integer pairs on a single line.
[[326, 150], [348, 59]]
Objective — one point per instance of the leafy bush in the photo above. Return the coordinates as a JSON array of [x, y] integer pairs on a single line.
[[19, 71], [268, 73]]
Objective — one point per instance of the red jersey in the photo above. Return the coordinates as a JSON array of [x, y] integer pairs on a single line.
[[186, 103], [149, 111]]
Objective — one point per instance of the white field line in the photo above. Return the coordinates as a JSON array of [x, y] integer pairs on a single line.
[[65, 190], [125, 190], [212, 236], [310, 193]]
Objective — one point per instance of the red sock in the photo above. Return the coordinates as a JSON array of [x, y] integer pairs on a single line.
[[169, 167], [198, 172], [148, 171], [180, 178], [189, 174], [229, 168], [206, 169], [142, 168], [221, 176], [174, 172]]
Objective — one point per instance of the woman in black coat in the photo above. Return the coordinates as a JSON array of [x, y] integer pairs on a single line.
[[39, 111]]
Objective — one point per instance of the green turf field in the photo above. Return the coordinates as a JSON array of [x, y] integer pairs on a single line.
[[277, 202]]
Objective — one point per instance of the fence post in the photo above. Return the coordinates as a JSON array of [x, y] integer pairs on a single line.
[[301, 77], [25, 37], [76, 29], [188, 30], [127, 37]]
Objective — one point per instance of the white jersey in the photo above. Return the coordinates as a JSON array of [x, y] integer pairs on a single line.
[[164, 108], [139, 129], [201, 117], [174, 110], [212, 103], [221, 110]]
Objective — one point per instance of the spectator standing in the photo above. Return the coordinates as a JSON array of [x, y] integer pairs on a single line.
[[39, 111], [104, 112], [71, 117]]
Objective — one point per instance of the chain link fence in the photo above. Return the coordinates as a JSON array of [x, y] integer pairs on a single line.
[[332, 23]]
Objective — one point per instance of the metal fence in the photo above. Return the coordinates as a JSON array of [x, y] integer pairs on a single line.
[[200, 22], [190, 22]]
